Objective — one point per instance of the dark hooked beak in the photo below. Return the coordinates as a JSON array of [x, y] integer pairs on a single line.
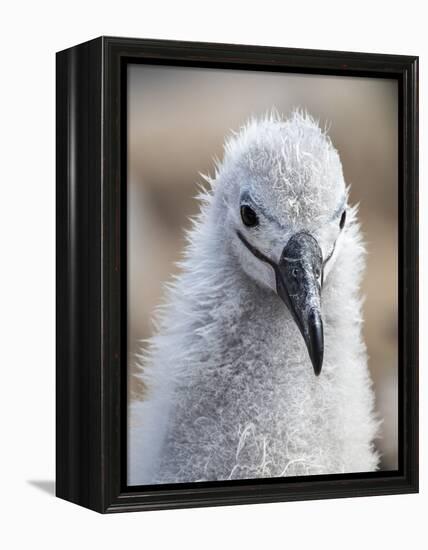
[[298, 277]]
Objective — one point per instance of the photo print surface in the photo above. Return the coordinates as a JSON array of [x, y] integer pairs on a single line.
[[262, 303]]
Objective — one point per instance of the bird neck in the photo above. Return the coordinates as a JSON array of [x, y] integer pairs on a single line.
[[228, 306]]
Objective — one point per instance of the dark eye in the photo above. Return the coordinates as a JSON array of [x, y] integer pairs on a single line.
[[249, 217], [342, 219]]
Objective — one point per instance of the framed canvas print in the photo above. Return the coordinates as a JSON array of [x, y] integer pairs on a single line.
[[237, 274]]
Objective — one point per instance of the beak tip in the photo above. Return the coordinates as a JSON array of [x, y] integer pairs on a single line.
[[317, 368], [316, 341]]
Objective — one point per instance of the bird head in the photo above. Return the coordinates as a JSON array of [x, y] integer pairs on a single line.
[[286, 199]]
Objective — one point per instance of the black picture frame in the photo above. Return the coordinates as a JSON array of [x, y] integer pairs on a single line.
[[91, 274]]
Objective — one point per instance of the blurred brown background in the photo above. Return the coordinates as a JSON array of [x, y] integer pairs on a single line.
[[177, 121]]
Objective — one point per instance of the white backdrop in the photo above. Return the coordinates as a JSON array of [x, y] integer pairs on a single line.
[[30, 34]]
